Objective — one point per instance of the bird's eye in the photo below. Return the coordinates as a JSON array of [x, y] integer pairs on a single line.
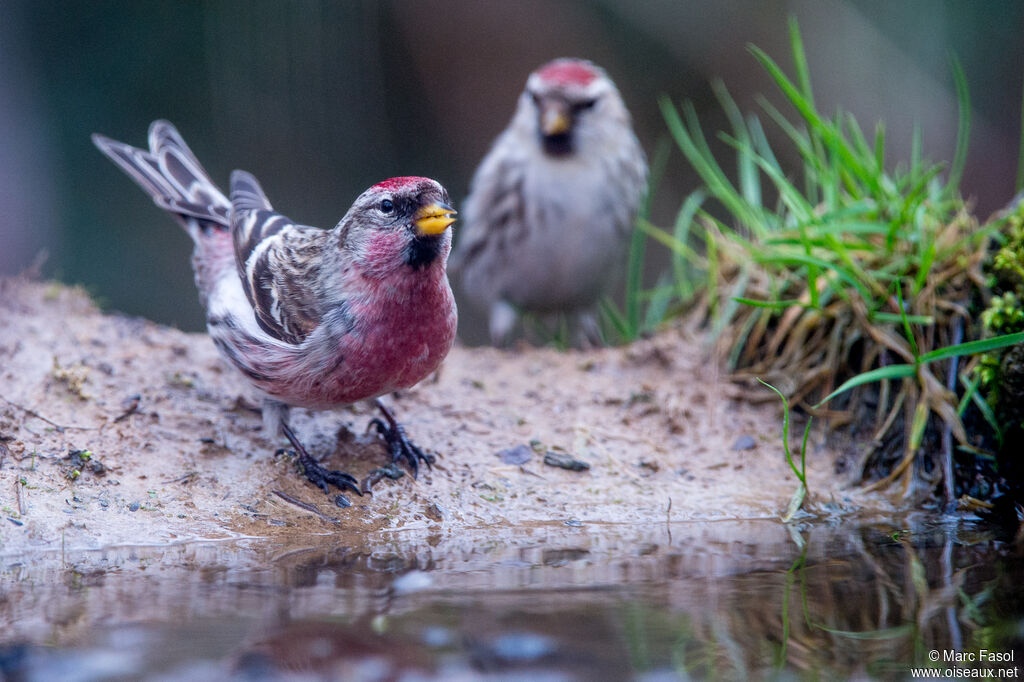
[[584, 105], [387, 206]]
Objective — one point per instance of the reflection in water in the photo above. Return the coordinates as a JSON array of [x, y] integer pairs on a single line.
[[741, 600]]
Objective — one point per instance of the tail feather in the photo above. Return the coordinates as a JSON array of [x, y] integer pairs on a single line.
[[246, 193], [138, 164], [170, 173]]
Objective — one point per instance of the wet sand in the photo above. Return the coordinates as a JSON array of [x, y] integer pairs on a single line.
[[176, 452]]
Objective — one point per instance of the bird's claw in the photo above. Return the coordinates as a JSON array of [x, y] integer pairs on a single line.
[[317, 474], [323, 478], [399, 445]]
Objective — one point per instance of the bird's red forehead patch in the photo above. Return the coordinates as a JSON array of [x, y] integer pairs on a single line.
[[392, 184], [567, 72]]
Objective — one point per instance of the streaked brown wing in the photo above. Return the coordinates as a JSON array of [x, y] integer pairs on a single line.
[[277, 262]]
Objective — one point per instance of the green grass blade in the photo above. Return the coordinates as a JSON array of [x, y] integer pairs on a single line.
[[803, 451], [803, 77], [907, 331], [634, 277], [673, 243], [803, 72], [691, 142], [681, 235], [963, 131], [880, 145], [729, 308], [915, 152], [832, 225], [830, 134], [800, 494], [750, 186], [760, 142], [843, 273], [615, 318], [925, 267], [973, 347], [772, 305], [918, 424], [659, 161], [889, 372], [794, 200], [638, 244], [893, 318], [657, 306], [973, 395], [785, 434], [796, 136]]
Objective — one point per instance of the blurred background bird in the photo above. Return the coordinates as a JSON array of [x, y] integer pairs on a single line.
[[552, 204], [312, 318]]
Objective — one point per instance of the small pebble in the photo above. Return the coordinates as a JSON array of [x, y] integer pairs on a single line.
[[520, 454], [564, 461], [744, 443], [342, 501], [134, 506], [574, 523]]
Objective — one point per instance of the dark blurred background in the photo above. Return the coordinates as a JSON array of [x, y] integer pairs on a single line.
[[322, 99]]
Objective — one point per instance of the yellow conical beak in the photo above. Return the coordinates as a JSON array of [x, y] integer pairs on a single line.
[[555, 118], [434, 218], [555, 121]]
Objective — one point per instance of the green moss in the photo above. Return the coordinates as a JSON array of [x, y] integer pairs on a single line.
[[1000, 373]]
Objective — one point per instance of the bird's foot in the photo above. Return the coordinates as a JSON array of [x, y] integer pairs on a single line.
[[322, 477], [399, 445]]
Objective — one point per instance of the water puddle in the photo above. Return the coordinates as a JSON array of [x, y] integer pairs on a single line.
[[722, 600]]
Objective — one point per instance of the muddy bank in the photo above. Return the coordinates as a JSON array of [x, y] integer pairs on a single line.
[[115, 430]]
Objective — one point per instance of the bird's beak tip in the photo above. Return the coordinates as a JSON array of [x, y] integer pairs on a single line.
[[434, 218]]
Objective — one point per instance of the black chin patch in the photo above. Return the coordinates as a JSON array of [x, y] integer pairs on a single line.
[[422, 250], [557, 145]]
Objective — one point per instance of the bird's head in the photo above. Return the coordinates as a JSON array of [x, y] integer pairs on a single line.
[[399, 223], [567, 101]]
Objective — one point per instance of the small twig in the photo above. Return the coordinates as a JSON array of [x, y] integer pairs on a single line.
[[305, 505], [17, 494], [187, 478], [33, 413]]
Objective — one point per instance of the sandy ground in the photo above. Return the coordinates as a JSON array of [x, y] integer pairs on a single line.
[[176, 454]]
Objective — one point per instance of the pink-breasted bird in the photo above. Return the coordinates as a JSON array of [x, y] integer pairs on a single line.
[[552, 204], [312, 318]]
